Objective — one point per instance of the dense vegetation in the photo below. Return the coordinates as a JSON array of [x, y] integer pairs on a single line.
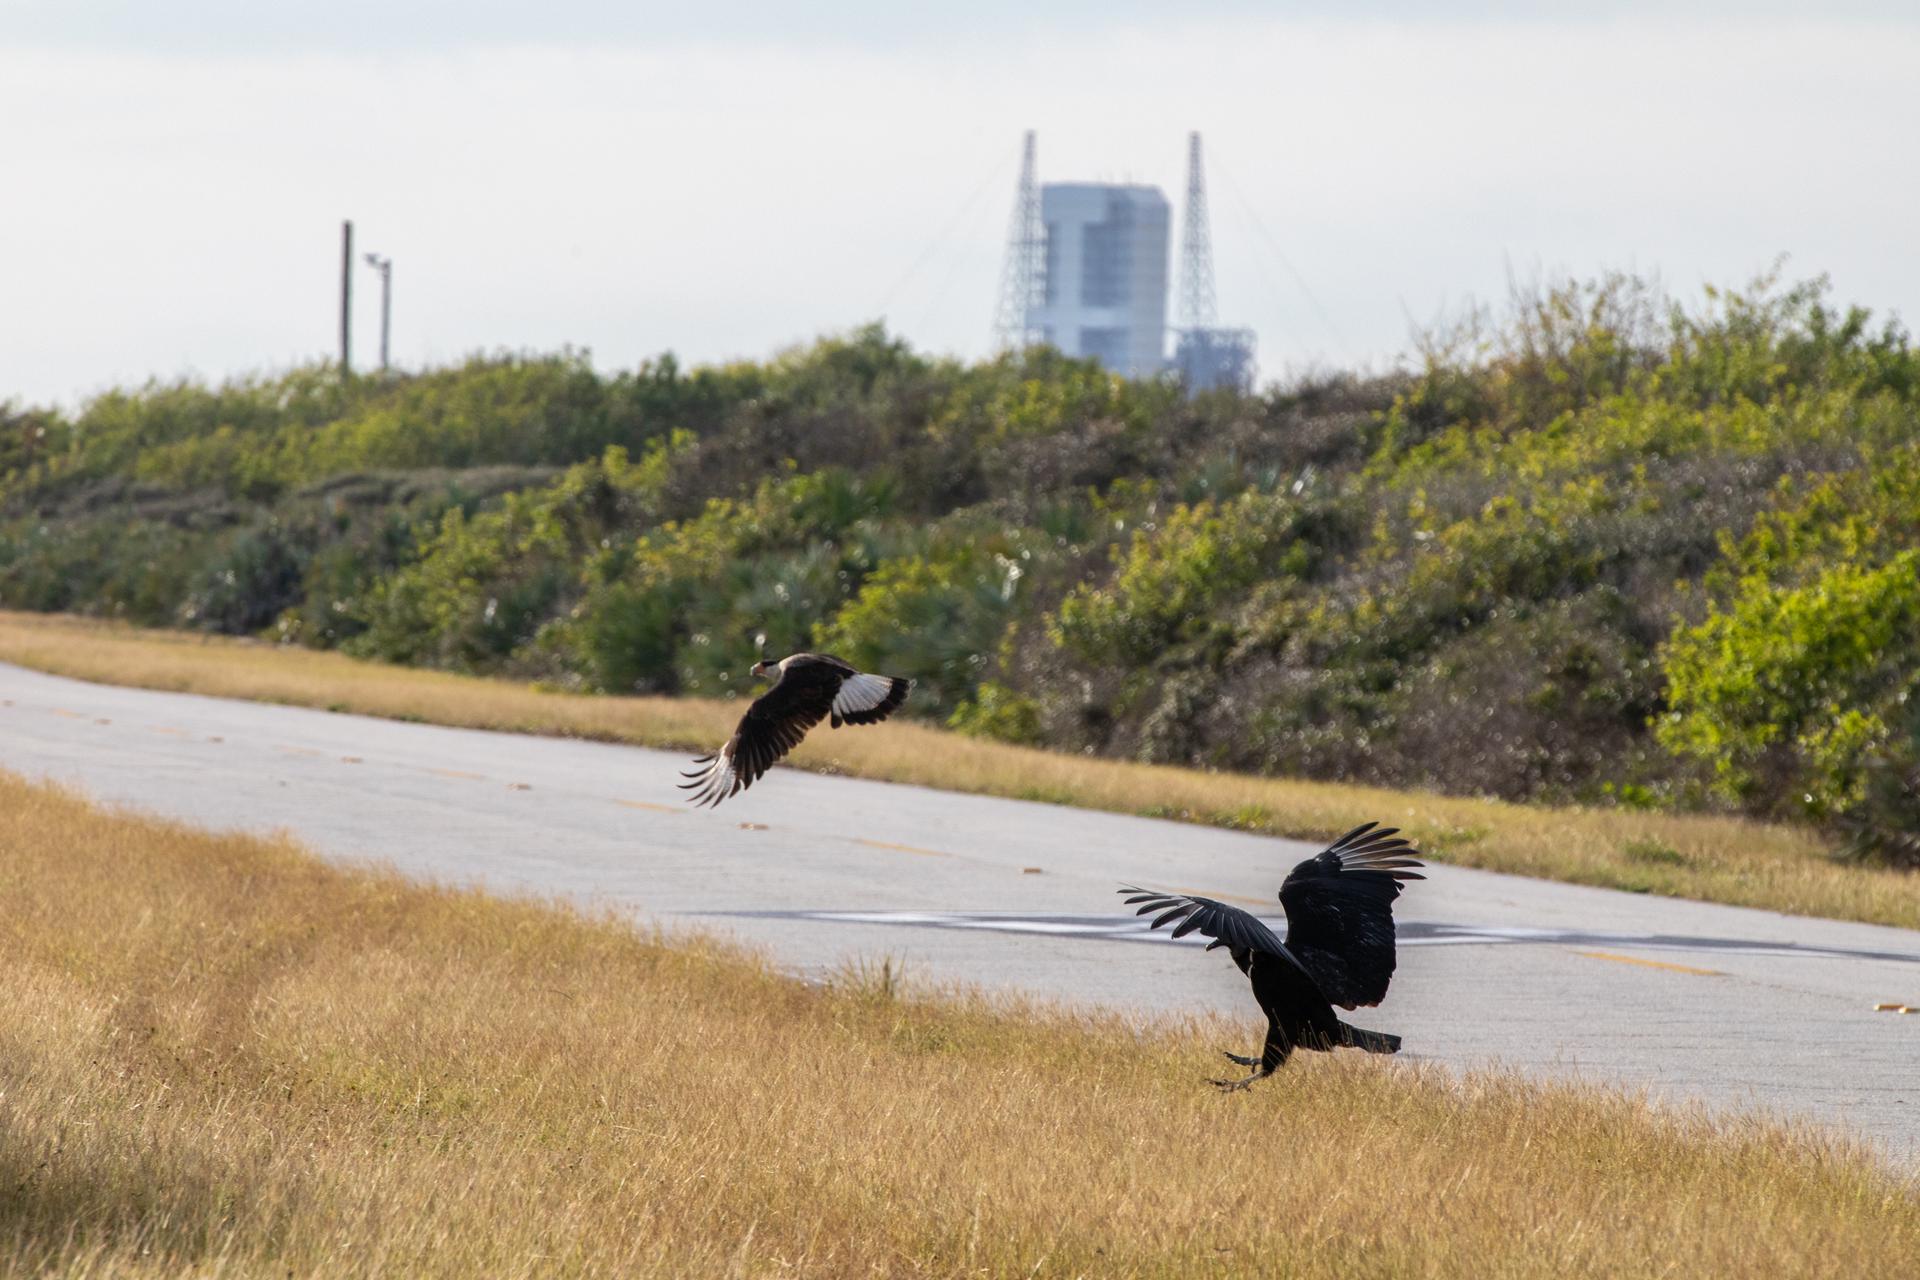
[[1606, 549]]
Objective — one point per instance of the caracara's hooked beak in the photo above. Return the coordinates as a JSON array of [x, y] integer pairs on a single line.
[[764, 668]]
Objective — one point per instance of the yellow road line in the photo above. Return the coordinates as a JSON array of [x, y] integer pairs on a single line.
[[458, 773], [901, 848], [648, 806], [1651, 964]]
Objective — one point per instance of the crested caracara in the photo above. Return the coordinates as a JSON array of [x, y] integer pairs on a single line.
[[807, 688]]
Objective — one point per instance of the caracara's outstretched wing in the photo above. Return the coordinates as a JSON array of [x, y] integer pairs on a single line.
[[1339, 907], [811, 687], [868, 699]]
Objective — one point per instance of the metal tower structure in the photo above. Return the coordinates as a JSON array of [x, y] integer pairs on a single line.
[[1196, 247], [1206, 356], [1023, 277]]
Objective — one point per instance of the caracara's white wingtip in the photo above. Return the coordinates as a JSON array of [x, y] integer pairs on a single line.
[[714, 783]]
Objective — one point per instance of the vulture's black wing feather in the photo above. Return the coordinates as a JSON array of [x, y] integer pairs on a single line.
[[1227, 926], [1339, 907]]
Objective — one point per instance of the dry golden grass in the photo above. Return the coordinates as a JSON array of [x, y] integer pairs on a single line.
[[1717, 859], [220, 1056]]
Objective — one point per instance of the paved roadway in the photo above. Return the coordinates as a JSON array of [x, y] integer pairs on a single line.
[[1737, 1007]]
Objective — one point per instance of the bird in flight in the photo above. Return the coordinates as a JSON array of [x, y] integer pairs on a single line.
[[1338, 950], [807, 688]]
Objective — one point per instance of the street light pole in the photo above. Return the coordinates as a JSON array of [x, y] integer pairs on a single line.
[[385, 267]]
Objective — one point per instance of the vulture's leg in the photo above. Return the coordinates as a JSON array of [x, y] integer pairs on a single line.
[[1279, 1045], [1243, 958]]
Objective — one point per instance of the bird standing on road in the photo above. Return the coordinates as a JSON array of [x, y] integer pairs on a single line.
[[1339, 947], [807, 688]]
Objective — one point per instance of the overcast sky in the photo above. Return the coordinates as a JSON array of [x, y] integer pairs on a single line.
[[633, 178]]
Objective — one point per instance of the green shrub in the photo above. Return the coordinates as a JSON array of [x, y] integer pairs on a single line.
[[1600, 548], [260, 572], [1789, 691], [934, 618], [1175, 574], [998, 712]]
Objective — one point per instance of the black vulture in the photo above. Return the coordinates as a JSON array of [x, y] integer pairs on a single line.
[[1338, 951], [807, 688]]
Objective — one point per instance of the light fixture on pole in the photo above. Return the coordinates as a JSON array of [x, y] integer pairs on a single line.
[[385, 267]]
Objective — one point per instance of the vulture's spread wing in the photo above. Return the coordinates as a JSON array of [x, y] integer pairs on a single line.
[[1340, 912], [811, 687], [1227, 926]]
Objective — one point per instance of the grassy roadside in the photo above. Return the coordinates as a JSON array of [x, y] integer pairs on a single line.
[[221, 1056], [1716, 859]]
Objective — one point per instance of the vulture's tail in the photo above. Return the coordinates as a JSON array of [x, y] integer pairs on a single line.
[[1371, 1041]]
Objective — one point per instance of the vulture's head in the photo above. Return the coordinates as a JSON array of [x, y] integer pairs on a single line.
[[765, 668]]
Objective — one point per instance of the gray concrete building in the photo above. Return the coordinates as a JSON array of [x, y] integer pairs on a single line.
[[1105, 274]]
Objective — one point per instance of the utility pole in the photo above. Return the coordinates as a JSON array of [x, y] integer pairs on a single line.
[[346, 296], [385, 267]]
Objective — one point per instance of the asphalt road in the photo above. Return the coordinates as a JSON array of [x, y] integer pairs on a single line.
[[1734, 1007]]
